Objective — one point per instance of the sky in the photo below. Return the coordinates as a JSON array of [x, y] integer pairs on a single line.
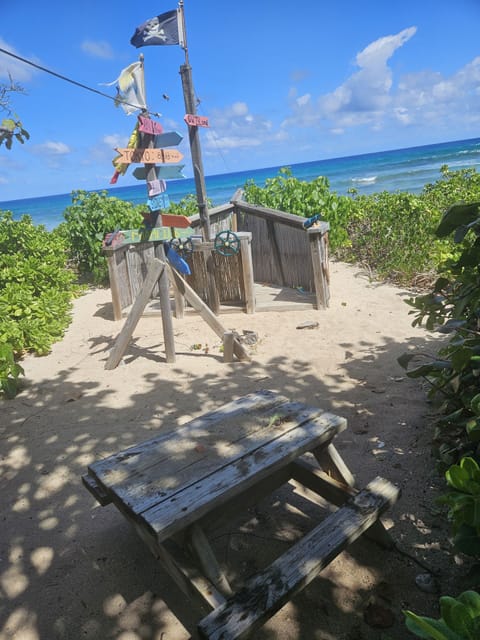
[[279, 82]]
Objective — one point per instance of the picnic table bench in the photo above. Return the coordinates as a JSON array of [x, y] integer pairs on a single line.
[[184, 482]]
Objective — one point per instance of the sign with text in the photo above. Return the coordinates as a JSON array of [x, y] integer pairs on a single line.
[[146, 125], [196, 121], [165, 172], [149, 156]]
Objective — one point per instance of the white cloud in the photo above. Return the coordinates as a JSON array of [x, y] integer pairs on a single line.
[[97, 49], [115, 140], [234, 127], [52, 148], [19, 71]]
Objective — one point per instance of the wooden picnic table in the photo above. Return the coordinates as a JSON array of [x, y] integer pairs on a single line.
[[184, 482]]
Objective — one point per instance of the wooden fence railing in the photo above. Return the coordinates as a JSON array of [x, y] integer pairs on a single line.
[[283, 253]]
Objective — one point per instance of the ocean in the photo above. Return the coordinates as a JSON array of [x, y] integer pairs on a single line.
[[407, 169]]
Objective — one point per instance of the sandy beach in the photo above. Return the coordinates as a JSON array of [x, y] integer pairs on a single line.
[[70, 569]]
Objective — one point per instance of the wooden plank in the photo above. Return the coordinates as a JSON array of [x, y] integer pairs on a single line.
[[113, 277], [156, 471], [223, 484], [164, 295], [276, 216], [332, 462], [336, 493], [206, 558], [272, 236], [247, 271], [149, 156], [269, 590], [123, 338], [101, 496], [197, 303], [228, 340], [319, 260]]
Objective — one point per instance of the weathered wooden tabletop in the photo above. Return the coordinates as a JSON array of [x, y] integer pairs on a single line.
[[174, 479]]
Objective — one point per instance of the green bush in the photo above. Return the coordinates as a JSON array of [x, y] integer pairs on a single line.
[[460, 619], [36, 290], [87, 220], [286, 193]]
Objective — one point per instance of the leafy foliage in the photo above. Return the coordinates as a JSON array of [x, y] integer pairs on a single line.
[[391, 233], [463, 501], [10, 128], [286, 193], [460, 619], [87, 220], [36, 290], [454, 305]]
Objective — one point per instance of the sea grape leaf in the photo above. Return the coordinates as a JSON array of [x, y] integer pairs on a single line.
[[456, 216]]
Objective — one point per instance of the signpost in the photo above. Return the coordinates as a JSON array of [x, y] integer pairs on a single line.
[[196, 121], [149, 156], [146, 125], [164, 172], [168, 139]]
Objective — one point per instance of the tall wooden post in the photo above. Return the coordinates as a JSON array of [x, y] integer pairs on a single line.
[[194, 140]]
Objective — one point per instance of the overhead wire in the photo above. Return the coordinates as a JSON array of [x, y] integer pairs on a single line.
[[74, 82]]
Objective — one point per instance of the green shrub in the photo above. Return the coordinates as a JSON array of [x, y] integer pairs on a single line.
[[286, 193], [460, 619], [36, 290], [87, 220]]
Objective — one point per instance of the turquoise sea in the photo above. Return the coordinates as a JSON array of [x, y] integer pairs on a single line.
[[396, 170]]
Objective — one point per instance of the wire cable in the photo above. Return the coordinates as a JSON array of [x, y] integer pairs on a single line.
[[78, 84]]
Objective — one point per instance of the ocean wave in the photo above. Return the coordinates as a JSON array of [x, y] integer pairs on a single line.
[[367, 180]]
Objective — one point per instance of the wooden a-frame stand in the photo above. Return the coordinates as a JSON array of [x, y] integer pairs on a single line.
[[157, 272]]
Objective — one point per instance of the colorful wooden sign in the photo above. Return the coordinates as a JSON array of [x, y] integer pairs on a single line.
[[149, 156], [154, 234], [165, 172], [179, 222], [160, 201], [168, 139], [146, 125], [196, 121]]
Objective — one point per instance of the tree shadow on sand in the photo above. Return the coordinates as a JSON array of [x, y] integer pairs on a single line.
[[71, 569]]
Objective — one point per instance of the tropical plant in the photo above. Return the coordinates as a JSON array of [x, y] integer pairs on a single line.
[[10, 128], [36, 290], [454, 305], [463, 501], [460, 619], [87, 220]]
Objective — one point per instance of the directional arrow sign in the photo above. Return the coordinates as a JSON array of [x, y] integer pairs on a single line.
[[196, 121], [168, 139], [146, 125], [165, 173], [149, 156]]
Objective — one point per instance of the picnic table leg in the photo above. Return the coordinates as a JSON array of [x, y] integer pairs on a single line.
[[333, 464], [206, 557]]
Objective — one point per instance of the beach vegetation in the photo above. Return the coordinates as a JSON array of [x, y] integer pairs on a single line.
[[453, 374], [392, 234], [36, 291], [459, 619], [11, 127], [87, 220]]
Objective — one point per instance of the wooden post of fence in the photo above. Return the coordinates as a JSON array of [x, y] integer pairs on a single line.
[[318, 241], [114, 284], [247, 270], [155, 270]]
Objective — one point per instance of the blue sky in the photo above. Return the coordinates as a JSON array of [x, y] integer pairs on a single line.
[[281, 83]]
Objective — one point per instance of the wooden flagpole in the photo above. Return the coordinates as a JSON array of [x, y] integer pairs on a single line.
[[194, 139]]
